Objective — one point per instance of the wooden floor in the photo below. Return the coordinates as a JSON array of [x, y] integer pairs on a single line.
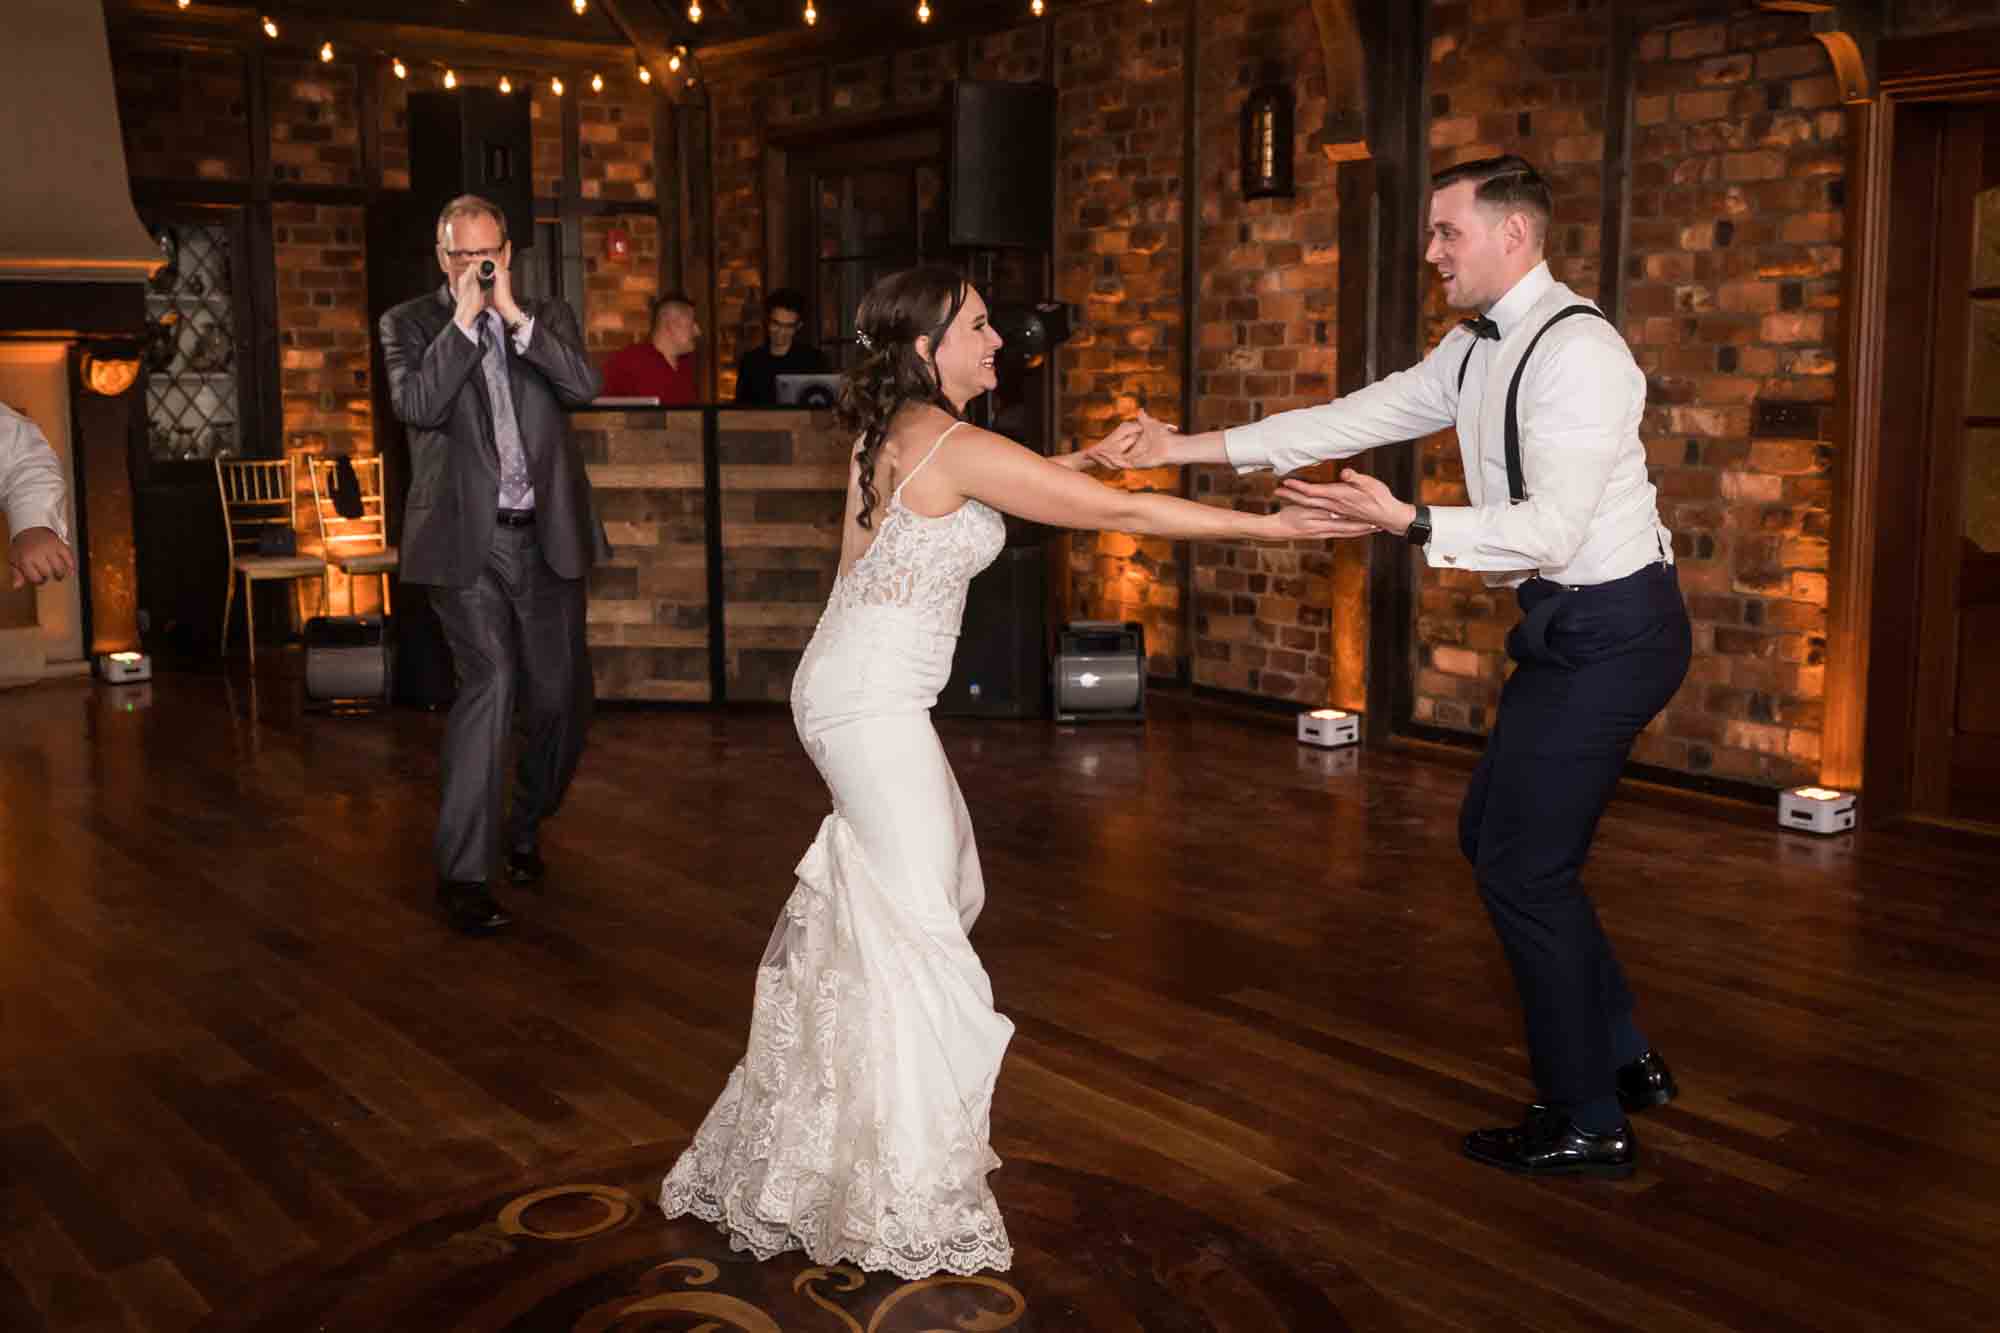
[[248, 1081]]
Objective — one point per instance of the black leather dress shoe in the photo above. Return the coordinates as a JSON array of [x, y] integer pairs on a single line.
[[1550, 1144], [526, 868], [470, 909], [1642, 1085], [1646, 1082]]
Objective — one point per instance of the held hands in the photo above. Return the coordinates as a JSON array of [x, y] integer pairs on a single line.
[[1295, 522], [1106, 452], [472, 298], [1145, 441], [1356, 498], [38, 555], [503, 295]]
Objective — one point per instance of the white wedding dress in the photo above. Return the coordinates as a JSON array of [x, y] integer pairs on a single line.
[[856, 1125]]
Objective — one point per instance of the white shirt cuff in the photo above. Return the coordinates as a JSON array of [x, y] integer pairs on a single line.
[[1454, 536], [522, 332], [1244, 451], [37, 514]]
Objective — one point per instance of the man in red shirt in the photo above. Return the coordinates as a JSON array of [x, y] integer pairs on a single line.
[[663, 367]]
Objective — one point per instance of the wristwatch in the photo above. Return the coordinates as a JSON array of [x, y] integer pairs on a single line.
[[1419, 533]]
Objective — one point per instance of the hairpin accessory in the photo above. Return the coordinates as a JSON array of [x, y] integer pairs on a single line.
[[866, 342]]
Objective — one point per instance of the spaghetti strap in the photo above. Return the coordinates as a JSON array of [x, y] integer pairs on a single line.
[[926, 460]]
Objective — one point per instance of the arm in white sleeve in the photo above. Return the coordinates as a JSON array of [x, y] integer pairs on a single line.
[[31, 478], [1404, 406], [1578, 408]]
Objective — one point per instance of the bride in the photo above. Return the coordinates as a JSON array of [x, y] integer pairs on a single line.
[[855, 1127]]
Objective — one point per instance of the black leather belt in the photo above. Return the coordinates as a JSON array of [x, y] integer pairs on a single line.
[[516, 518]]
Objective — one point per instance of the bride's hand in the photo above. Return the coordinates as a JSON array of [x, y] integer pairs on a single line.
[[1299, 523], [1107, 452]]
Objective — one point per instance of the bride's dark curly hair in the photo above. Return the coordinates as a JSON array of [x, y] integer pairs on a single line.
[[895, 313]]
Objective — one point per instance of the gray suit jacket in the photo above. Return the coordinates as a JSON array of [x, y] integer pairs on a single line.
[[438, 392]]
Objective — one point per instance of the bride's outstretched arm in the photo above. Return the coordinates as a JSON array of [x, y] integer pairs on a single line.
[[995, 470]]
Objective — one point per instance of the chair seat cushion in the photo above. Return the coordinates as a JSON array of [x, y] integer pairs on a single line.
[[368, 562], [279, 566]]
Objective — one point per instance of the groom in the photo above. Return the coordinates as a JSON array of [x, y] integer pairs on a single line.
[[1546, 400]]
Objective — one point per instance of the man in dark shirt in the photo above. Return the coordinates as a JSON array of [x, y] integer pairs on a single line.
[[784, 354], [664, 367]]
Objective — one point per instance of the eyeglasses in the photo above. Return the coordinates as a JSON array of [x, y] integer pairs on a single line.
[[467, 256], [784, 325]]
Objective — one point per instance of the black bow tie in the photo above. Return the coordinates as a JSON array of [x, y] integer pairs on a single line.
[[1482, 327]]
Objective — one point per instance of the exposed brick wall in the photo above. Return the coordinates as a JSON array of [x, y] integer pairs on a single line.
[[1119, 260], [617, 296], [615, 150], [323, 340], [1731, 299], [738, 130], [182, 112], [1269, 291], [394, 128], [315, 138]]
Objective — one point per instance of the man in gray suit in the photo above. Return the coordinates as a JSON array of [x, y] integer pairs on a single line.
[[501, 526]]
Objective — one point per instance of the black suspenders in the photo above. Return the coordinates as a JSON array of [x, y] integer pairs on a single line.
[[1517, 489]]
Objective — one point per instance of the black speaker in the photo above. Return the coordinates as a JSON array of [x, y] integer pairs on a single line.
[[474, 141], [1003, 175], [1001, 669]]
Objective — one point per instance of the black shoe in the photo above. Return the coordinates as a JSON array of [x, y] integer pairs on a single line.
[[526, 868], [470, 909], [1642, 1085], [1550, 1144], [1646, 1082]]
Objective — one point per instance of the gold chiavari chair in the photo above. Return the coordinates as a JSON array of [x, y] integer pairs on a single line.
[[357, 547], [259, 495]]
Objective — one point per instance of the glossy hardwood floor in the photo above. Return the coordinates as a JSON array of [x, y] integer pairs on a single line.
[[248, 1081]]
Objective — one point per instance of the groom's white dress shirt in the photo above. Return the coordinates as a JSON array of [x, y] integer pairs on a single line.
[[1591, 514], [32, 487]]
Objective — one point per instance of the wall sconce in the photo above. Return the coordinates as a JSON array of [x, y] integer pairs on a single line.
[[1267, 142], [109, 376], [1329, 727], [1816, 809]]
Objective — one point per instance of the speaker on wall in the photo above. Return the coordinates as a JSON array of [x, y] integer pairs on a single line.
[[1001, 667], [473, 141], [1003, 175]]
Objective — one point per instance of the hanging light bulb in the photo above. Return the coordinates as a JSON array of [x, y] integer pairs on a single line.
[[450, 79], [597, 83], [923, 11], [579, 6], [555, 86], [326, 53], [674, 63], [812, 15], [183, 3], [505, 86], [400, 70], [645, 75], [694, 11], [1036, 8], [270, 28]]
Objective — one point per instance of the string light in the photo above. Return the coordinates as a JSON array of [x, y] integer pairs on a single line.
[[270, 28], [450, 79], [398, 67], [579, 6], [645, 75], [555, 86], [812, 15], [1036, 8], [326, 53], [923, 11], [505, 86], [597, 83], [674, 63], [694, 11], [183, 3]]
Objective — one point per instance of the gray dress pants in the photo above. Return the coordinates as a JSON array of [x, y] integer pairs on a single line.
[[517, 638]]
